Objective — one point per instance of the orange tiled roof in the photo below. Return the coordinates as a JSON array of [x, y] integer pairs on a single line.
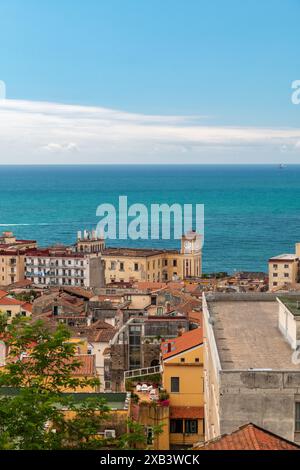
[[86, 368], [248, 437], [182, 343], [10, 301], [144, 285], [27, 306], [3, 293], [187, 412]]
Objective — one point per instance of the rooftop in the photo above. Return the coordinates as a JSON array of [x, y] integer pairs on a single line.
[[187, 412], [248, 437], [52, 253], [136, 252], [247, 335], [292, 303], [115, 400], [285, 257], [184, 342]]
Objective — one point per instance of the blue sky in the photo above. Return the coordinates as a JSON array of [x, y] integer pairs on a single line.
[[230, 63]]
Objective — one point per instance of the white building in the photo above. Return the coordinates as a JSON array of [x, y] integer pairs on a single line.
[[62, 267]]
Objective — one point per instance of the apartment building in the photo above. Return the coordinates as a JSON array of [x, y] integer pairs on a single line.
[[284, 269], [250, 372], [62, 267], [12, 255], [135, 265], [182, 377]]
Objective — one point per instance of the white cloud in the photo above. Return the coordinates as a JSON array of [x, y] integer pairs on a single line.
[[66, 147], [31, 131]]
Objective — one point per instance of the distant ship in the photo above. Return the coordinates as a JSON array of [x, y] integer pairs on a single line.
[[281, 166]]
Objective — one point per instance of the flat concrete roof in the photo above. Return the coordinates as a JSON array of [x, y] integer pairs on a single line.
[[284, 257], [248, 337]]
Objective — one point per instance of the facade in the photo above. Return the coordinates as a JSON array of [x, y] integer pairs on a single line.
[[136, 346], [284, 269], [149, 417], [250, 374], [62, 267], [182, 377], [15, 308], [12, 254], [136, 265]]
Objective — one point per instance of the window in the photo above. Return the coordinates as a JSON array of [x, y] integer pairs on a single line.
[[286, 266], [174, 262], [121, 266], [176, 426], [182, 359], [197, 359], [8, 313], [174, 384], [275, 266], [23, 313], [275, 275], [297, 417], [191, 426], [112, 265], [274, 283], [136, 266], [149, 435], [286, 274]]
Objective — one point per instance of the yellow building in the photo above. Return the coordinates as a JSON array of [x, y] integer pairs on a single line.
[[135, 265], [12, 255], [182, 361], [152, 416], [284, 269], [14, 308]]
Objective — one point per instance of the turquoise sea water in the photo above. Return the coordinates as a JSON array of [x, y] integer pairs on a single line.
[[251, 212]]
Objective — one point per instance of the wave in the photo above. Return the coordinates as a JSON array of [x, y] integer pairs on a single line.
[[46, 224], [23, 225]]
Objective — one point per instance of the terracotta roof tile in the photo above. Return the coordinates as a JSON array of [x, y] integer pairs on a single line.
[[3, 293], [182, 343], [87, 364], [10, 301], [186, 412], [248, 437]]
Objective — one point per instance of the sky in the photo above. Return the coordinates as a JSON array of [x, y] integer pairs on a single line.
[[137, 81]]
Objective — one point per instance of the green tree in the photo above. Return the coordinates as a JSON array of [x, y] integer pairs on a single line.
[[32, 405], [40, 365]]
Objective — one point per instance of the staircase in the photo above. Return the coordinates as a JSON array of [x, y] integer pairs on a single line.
[[128, 374]]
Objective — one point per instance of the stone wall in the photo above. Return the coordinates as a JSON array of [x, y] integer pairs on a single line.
[[266, 399]]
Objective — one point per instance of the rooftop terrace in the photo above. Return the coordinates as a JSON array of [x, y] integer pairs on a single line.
[[292, 303], [247, 335]]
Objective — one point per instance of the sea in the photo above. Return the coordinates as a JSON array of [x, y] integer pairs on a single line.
[[252, 212]]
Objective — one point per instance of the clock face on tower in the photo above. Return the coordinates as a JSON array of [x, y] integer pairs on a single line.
[[187, 247]]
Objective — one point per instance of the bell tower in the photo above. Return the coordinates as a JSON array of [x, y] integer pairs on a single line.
[[192, 255]]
